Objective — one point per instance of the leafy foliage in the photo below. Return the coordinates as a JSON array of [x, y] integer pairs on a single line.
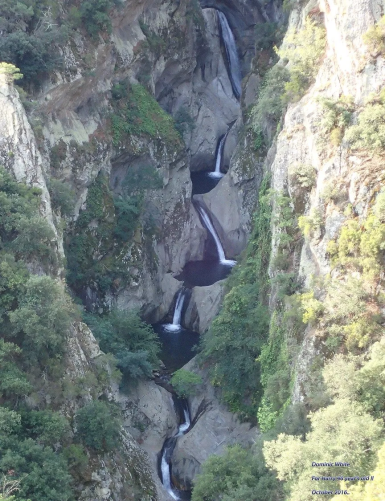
[[13, 381], [12, 73], [22, 230], [303, 50], [269, 105], [62, 196], [236, 336], [43, 317], [238, 474], [183, 121], [343, 425], [98, 425], [129, 339], [302, 175], [311, 223], [43, 471], [369, 133], [185, 382], [336, 117], [136, 112], [94, 16], [374, 38], [93, 257], [29, 37]]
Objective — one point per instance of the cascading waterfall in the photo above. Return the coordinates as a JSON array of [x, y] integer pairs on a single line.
[[170, 443], [209, 226], [218, 162], [187, 421], [232, 55], [168, 449], [176, 321]]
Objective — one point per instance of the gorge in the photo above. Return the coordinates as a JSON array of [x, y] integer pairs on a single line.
[[191, 249]]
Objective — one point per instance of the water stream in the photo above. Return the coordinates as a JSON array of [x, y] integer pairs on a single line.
[[176, 321], [177, 342], [218, 161], [232, 55], [210, 228], [168, 449]]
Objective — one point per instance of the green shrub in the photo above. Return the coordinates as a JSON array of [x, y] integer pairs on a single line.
[[369, 132], [303, 50], [136, 112], [236, 475], [183, 121], [185, 382], [336, 116], [43, 317], [22, 229], [76, 457], [302, 176], [311, 223], [13, 382], [331, 435], [311, 307], [94, 16], [62, 196], [98, 425], [46, 427], [155, 43], [12, 73], [374, 38], [331, 192], [26, 42], [269, 104], [379, 207], [42, 470], [133, 342]]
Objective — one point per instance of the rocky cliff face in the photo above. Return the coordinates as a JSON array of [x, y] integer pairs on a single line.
[[177, 51], [214, 428], [347, 69]]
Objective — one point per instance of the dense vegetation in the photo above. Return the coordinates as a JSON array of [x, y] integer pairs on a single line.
[[137, 112], [96, 252], [129, 339], [236, 336], [36, 314]]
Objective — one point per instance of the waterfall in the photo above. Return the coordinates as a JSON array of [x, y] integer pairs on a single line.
[[176, 321], [165, 467], [168, 449], [187, 421], [232, 55], [217, 172], [209, 226]]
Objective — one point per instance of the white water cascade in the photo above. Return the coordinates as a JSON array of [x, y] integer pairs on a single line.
[[217, 172], [176, 320], [166, 477], [168, 450], [209, 226], [186, 425], [232, 55]]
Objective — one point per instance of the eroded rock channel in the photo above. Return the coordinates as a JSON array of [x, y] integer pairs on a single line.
[[177, 340]]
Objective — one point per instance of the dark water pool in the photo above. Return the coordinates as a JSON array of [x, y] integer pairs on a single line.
[[202, 273], [202, 182], [176, 346]]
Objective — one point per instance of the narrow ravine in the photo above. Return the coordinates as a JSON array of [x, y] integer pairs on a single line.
[[199, 273]]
